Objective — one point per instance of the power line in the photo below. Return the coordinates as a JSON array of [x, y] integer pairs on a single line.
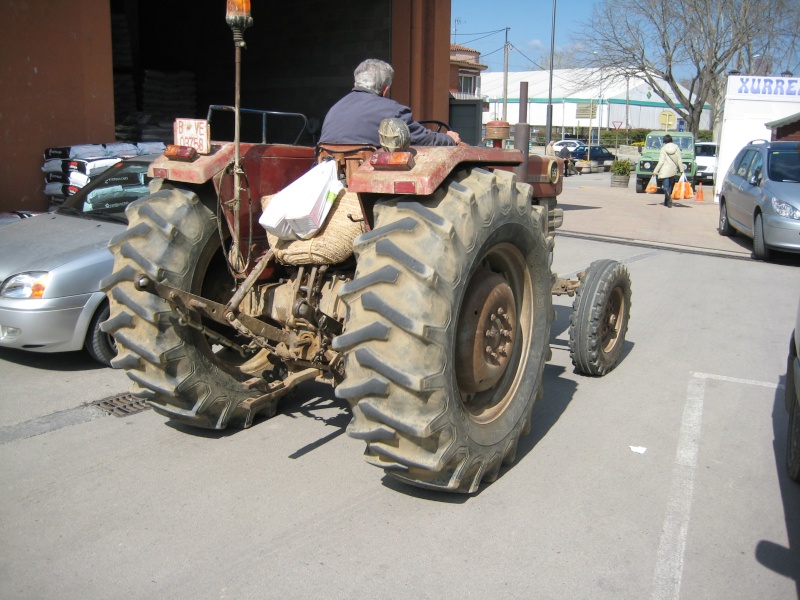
[[481, 32], [479, 38], [533, 62], [492, 52]]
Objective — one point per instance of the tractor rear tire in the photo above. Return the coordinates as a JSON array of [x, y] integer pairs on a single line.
[[173, 239], [600, 315], [447, 330]]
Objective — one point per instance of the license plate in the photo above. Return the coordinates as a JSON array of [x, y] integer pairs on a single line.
[[195, 133]]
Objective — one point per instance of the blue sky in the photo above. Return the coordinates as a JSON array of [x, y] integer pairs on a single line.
[[530, 22]]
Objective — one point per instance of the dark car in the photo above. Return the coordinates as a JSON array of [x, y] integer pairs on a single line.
[[760, 197], [51, 266], [601, 154]]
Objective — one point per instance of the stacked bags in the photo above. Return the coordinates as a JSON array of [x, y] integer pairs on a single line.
[[68, 168]]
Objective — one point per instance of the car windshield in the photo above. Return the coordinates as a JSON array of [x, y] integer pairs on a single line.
[[654, 142], [109, 194], [784, 166], [705, 150]]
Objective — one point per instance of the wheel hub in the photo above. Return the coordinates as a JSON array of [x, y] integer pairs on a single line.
[[612, 320], [486, 332]]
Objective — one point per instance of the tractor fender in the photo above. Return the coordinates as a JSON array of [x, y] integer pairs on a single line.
[[200, 170], [431, 166]]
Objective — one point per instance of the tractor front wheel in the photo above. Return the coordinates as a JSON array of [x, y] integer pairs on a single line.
[[600, 315]]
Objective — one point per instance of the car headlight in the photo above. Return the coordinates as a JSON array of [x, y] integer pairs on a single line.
[[784, 209], [25, 285], [647, 165]]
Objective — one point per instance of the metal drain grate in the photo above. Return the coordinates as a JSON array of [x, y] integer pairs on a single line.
[[121, 405]]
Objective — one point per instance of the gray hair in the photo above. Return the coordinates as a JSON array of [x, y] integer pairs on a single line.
[[374, 75]]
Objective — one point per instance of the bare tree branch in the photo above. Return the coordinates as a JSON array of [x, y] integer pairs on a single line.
[[666, 42]]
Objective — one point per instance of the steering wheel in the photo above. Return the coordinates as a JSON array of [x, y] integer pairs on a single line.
[[439, 125]]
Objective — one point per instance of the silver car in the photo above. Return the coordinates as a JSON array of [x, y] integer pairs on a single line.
[[760, 197], [51, 266]]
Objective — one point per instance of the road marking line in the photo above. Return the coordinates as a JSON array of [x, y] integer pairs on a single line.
[[624, 261], [765, 384], [669, 564], [671, 548]]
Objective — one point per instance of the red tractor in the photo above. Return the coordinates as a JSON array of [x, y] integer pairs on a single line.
[[425, 298]]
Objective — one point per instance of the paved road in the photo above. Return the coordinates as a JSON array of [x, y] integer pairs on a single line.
[[104, 507]]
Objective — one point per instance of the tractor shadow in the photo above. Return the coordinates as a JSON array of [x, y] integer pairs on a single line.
[[779, 558], [310, 400], [317, 401]]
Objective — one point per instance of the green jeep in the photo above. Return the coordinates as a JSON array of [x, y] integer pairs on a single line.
[[651, 150]]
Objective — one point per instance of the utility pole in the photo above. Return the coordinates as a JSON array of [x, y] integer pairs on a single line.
[[505, 79], [549, 127], [627, 108]]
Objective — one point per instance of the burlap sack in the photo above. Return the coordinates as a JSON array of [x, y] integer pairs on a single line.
[[332, 244]]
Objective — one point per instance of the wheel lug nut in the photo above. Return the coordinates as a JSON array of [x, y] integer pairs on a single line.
[[490, 333]]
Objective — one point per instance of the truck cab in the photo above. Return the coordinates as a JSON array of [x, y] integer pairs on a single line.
[[652, 149]]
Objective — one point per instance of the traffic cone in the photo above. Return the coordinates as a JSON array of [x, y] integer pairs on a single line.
[[699, 197]]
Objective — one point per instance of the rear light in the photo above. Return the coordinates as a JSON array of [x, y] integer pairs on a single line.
[[161, 173], [182, 153], [392, 161]]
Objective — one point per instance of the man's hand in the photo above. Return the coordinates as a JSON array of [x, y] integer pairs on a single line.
[[455, 136]]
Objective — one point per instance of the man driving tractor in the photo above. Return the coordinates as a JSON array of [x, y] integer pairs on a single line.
[[355, 119]]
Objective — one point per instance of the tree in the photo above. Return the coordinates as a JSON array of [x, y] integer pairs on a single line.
[[566, 58], [692, 41]]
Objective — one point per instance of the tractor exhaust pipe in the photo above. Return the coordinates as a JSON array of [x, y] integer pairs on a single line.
[[522, 134]]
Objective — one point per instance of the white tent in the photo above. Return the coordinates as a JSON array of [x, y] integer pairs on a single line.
[[573, 90]]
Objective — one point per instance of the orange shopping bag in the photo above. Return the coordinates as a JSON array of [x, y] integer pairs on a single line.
[[682, 190], [652, 185]]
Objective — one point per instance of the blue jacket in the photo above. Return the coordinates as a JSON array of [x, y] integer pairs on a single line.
[[355, 120]]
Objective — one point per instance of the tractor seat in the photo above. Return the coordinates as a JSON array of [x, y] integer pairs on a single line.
[[348, 157]]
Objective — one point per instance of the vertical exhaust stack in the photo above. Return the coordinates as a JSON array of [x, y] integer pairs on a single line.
[[522, 134], [237, 15]]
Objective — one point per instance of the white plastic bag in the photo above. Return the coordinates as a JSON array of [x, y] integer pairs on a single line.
[[299, 210]]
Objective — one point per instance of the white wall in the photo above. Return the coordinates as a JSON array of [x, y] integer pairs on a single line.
[[750, 102]]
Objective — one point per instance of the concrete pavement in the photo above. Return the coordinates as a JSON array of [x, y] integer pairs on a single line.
[[594, 209]]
